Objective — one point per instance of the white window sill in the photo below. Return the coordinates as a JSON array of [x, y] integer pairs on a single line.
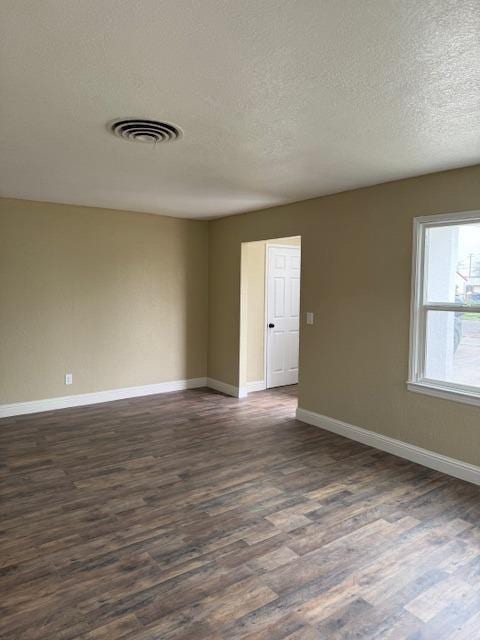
[[446, 393]]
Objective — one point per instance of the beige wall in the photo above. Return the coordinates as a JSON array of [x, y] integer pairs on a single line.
[[356, 267], [255, 302], [119, 299]]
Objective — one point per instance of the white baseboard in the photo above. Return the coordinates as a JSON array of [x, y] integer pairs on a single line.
[[77, 400], [258, 385], [437, 461], [229, 389]]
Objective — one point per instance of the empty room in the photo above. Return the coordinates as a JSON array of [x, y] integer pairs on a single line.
[[240, 320]]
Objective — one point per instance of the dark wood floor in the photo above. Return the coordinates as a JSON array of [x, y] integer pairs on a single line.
[[194, 515]]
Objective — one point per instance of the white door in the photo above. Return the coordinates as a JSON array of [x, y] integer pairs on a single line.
[[283, 308]]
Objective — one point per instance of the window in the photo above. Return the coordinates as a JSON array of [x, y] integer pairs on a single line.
[[445, 323]]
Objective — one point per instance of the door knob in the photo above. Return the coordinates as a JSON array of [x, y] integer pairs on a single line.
[[270, 325]]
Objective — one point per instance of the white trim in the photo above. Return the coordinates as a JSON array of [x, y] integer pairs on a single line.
[[464, 308], [439, 219], [425, 457], [438, 391], [284, 246], [414, 366], [258, 385], [80, 399], [265, 313], [228, 389]]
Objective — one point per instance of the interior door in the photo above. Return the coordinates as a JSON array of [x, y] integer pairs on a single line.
[[283, 308]]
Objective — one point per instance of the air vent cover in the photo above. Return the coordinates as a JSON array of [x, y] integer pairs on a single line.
[[151, 131]]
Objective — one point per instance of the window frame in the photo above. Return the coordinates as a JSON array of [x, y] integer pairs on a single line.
[[419, 309]]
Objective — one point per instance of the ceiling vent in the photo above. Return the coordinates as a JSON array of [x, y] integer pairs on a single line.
[[151, 131]]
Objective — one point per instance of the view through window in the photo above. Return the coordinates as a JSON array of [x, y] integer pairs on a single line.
[[447, 311]]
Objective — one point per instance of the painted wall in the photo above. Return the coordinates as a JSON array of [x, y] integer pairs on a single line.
[[255, 301], [356, 271], [119, 299]]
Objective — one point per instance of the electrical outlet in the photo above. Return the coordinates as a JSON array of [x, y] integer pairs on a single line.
[[68, 378], [309, 317]]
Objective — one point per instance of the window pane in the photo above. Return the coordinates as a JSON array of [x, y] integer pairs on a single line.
[[453, 263], [453, 347]]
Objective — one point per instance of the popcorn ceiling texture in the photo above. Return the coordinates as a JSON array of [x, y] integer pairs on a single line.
[[279, 100]]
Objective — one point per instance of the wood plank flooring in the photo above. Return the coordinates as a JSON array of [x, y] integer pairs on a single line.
[[192, 515]]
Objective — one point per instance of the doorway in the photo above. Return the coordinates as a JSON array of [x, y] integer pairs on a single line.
[[270, 295]]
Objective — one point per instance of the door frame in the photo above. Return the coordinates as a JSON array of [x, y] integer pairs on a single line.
[[274, 245]]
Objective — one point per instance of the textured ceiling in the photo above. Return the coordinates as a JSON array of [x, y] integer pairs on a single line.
[[280, 100]]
